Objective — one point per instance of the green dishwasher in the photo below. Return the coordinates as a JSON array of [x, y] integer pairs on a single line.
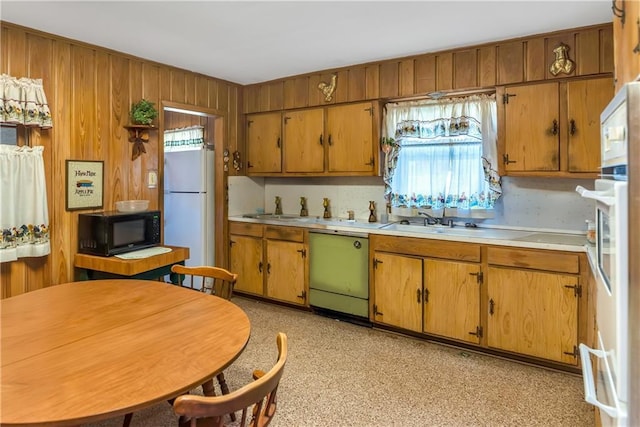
[[339, 272]]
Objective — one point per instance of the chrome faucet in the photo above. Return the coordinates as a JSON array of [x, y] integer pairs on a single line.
[[430, 219]]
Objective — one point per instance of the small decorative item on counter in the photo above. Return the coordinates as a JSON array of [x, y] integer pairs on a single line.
[[591, 232], [303, 207], [351, 215], [278, 210], [372, 209], [327, 213]]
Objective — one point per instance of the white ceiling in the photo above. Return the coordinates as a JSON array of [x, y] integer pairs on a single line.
[[254, 41]]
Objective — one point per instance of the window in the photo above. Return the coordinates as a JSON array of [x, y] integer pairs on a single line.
[[8, 135], [442, 154]]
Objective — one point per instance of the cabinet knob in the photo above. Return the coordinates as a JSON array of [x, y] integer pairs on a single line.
[[554, 128], [491, 306], [572, 127]]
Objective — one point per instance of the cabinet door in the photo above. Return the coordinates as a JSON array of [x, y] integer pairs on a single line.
[[586, 100], [246, 262], [304, 140], [452, 300], [286, 271], [533, 313], [264, 142], [350, 138], [398, 291], [532, 128]]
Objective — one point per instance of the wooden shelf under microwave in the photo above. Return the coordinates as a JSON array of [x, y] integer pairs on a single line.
[[131, 267]]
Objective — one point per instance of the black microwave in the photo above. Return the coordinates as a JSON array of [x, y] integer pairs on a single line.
[[112, 233]]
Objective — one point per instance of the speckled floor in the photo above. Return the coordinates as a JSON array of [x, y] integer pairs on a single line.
[[342, 374]]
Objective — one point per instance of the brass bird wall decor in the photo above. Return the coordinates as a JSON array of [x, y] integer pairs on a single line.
[[327, 89]]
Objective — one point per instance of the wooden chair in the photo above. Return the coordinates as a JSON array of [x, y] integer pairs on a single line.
[[256, 399], [215, 280]]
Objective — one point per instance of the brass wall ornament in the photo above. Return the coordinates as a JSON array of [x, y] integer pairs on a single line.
[[562, 63], [328, 88]]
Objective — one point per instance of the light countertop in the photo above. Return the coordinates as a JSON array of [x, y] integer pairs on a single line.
[[508, 236]]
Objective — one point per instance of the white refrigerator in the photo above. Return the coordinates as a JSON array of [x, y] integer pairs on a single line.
[[189, 203]]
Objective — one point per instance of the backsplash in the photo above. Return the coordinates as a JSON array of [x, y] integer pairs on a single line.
[[548, 203]]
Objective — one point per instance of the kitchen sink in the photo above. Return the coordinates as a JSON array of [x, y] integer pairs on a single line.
[[485, 233]]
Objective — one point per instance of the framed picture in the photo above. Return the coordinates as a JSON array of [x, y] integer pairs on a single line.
[[84, 184]]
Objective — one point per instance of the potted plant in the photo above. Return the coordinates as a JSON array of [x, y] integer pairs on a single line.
[[143, 112], [387, 143]]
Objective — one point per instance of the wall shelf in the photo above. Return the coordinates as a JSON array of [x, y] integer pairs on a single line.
[[138, 134]]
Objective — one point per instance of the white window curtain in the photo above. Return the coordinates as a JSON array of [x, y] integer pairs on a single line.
[[458, 131], [24, 218], [181, 139], [22, 101]]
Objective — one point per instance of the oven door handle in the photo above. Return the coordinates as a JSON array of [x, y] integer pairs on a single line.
[[589, 384], [599, 196]]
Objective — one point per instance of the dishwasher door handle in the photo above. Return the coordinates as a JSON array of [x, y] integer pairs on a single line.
[[357, 244]]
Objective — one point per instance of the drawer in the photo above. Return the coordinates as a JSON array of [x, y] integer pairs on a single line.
[[245, 229], [536, 259], [290, 234], [426, 248]]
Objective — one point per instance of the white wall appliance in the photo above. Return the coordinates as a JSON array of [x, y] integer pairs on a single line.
[[609, 390], [189, 203]]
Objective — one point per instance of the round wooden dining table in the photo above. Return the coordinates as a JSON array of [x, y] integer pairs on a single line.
[[85, 351]]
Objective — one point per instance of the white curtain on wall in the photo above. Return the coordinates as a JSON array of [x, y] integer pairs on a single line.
[[24, 218], [411, 122], [22, 101]]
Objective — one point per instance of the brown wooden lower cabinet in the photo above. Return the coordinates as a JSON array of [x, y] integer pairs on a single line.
[[533, 313], [285, 271], [452, 299], [270, 261], [427, 295], [397, 292], [533, 298]]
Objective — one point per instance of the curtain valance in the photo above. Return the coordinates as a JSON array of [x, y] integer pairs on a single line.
[[22, 101], [187, 138]]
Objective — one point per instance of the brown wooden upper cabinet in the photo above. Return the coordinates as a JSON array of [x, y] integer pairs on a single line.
[[264, 143], [304, 140], [334, 140], [552, 128], [352, 142]]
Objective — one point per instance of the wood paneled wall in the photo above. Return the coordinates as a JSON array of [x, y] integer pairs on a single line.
[[470, 68], [90, 91]]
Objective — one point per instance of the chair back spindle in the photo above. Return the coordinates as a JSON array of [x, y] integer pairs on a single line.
[[215, 280]]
